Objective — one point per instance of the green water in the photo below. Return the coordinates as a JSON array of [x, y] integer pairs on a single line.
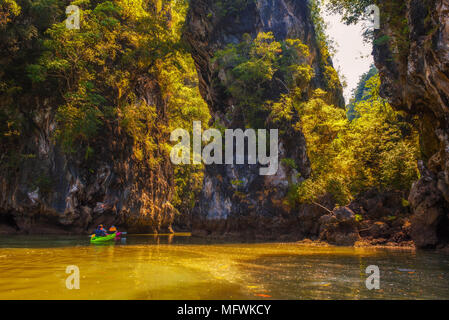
[[182, 267]]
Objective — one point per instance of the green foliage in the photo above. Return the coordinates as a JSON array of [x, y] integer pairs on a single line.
[[332, 78], [405, 203], [378, 149], [325, 44], [389, 147], [75, 124], [326, 47], [236, 182], [361, 92], [18, 45], [179, 83], [8, 10], [91, 77], [353, 10], [252, 69], [289, 163], [381, 40], [178, 80], [137, 119], [324, 127], [97, 67]]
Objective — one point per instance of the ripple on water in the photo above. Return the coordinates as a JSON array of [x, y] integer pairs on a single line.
[[186, 268]]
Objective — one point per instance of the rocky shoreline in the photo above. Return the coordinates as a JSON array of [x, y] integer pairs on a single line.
[[381, 220], [377, 219], [373, 220]]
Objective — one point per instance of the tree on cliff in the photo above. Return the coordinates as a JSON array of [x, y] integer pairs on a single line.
[[377, 149], [89, 77], [361, 92]]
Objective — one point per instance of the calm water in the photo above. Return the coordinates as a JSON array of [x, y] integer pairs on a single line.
[[182, 267]]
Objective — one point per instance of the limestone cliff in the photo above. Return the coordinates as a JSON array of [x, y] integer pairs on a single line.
[[254, 206], [105, 171], [55, 192], [412, 53]]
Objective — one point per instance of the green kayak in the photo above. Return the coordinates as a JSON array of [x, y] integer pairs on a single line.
[[109, 237]]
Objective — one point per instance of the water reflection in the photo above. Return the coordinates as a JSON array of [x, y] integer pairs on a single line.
[[183, 267]]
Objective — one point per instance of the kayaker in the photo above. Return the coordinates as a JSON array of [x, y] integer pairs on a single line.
[[100, 231], [112, 229]]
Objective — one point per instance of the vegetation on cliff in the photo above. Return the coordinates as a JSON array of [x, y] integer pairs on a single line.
[[255, 66], [360, 93], [410, 51], [88, 78], [378, 149]]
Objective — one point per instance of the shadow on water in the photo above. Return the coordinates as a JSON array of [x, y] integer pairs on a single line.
[[59, 241]]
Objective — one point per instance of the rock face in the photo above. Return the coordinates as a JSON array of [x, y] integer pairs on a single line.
[[339, 227], [374, 218], [53, 192], [429, 220], [254, 206], [414, 70]]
